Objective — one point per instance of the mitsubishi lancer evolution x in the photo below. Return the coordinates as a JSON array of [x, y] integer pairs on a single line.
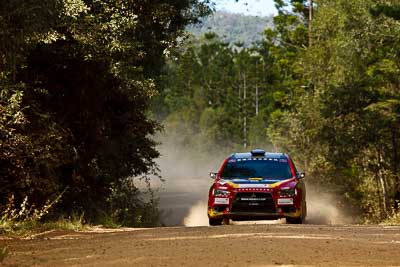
[[257, 185]]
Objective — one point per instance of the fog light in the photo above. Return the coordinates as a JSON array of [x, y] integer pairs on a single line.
[[288, 192], [220, 193]]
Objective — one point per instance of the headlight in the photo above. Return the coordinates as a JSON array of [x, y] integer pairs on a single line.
[[288, 192], [220, 193]]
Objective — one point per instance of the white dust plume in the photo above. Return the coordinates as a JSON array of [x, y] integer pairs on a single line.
[[197, 215], [325, 208]]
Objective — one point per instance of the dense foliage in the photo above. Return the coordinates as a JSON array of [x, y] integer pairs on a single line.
[[333, 103], [227, 92], [76, 78], [356, 103]]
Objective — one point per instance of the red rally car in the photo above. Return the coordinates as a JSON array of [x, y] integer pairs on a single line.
[[257, 185]]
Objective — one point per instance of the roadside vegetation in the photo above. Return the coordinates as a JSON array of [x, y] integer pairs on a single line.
[[76, 81], [26, 220]]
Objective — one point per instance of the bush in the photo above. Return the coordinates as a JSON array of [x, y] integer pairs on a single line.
[[131, 206], [394, 219]]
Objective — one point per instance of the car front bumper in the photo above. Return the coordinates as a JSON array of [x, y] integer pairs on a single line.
[[249, 216]]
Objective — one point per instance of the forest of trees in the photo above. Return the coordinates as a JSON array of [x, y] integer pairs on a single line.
[[76, 80], [332, 100], [85, 85]]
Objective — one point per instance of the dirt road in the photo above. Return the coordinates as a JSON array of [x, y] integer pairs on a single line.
[[233, 245]]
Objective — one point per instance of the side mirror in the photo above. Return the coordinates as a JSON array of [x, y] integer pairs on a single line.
[[301, 175], [213, 175]]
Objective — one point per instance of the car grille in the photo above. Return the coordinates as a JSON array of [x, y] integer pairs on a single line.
[[253, 202]]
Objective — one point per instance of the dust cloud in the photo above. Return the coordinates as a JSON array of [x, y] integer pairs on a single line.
[[325, 208], [197, 215], [184, 194]]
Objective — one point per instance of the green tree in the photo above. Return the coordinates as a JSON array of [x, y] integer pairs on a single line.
[[76, 88], [345, 126]]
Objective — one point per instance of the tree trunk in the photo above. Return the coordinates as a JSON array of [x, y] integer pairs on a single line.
[[396, 197], [383, 184]]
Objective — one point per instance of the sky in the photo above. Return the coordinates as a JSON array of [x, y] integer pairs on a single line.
[[247, 7]]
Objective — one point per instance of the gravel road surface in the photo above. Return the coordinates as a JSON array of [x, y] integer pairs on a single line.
[[230, 245]]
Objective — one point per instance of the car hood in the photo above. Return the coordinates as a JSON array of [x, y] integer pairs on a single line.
[[257, 183]]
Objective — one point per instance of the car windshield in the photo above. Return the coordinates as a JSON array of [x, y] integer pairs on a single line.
[[278, 169]]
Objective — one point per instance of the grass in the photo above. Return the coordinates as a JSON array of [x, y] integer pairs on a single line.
[[32, 227], [24, 219], [392, 220], [108, 221], [27, 228]]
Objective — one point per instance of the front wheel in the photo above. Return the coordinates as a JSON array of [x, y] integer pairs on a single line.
[[296, 220], [214, 222]]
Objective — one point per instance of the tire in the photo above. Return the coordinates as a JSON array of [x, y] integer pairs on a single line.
[[298, 220], [214, 222]]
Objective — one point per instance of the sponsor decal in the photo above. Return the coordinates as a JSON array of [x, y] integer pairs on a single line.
[[239, 180], [241, 183], [285, 201], [219, 200], [253, 199], [258, 158], [253, 185], [255, 179], [212, 213]]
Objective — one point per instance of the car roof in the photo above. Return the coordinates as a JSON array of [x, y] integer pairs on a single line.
[[248, 155]]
